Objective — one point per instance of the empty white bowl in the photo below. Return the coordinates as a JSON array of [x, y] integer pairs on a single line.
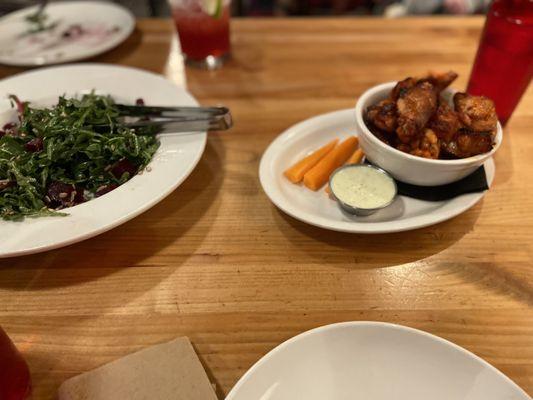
[[372, 361], [406, 167]]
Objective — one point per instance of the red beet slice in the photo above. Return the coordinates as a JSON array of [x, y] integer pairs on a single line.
[[123, 166], [105, 189], [34, 145], [61, 195]]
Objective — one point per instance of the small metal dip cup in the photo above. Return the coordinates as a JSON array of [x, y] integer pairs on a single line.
[[362, 212]]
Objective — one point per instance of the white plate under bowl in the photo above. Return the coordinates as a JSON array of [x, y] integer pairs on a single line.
[[109, 25], [173, 162], [372, 361], [316, 208]]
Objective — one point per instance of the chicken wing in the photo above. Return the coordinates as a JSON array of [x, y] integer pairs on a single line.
[[445, 122], [383, 115], [440, 80], [427, 145], [401, 88], [415, 108], [468, 144], [477, 113]]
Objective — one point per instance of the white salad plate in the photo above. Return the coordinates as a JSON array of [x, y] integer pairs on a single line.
[[104, 25], [316, 208], [372, 361], [173, 162]]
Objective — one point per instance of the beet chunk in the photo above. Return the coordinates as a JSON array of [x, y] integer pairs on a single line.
[[34, 145], [105, 189], [123, 166], [61, 195], [6, 183]]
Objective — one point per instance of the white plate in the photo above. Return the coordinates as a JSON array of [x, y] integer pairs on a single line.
[[372, 361], [316, 208], [106, 25], [172, 163]]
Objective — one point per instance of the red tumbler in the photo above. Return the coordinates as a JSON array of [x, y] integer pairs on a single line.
[[504, 61], [15, 383]]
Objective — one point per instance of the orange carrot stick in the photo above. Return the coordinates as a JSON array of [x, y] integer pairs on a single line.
[[356, 157], [317, 176], [296, 173]]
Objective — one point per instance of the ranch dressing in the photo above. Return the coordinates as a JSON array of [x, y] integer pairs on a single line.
[[363, 187]]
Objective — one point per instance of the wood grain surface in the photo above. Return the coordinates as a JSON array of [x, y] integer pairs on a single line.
[[216, 261]]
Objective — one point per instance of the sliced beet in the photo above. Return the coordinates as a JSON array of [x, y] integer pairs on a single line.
[[139, 102], [123, 166], [10, 129], [61, 195], [2, 133], [105, 189], [79, 197], [34, 145], [6, 183]]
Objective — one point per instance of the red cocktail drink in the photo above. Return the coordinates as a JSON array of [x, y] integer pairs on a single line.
[[15, 381], [504, 61], [203, 32]]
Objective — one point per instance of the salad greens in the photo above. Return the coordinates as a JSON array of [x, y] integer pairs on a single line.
[[61, 156]]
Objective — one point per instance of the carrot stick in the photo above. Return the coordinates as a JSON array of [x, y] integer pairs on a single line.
[[317, 176], [296, 173], [356, 157]]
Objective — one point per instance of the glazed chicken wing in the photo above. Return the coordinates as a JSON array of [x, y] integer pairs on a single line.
[[415, 108], [440, 80], [401, 88], [445, 123], [477, 113], [427, 146], [383, 115], [468, 144]]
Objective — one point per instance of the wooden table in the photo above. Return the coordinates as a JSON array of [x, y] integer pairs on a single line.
[[218, 262]]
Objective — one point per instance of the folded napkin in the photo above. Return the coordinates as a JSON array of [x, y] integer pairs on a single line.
[[475, 182], [166, 371]]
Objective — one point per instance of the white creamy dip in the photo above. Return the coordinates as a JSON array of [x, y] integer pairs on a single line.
[[363, 187]]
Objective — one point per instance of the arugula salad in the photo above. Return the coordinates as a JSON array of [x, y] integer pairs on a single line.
[[54, 158]]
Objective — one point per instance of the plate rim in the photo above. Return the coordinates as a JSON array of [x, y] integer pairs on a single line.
[[127, 217], [357, 324], [346, 226], [128, 29]]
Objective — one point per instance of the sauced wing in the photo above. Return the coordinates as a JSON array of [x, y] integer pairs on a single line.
[[445, 122], [477, 113], [383, 115], [415, 108], [468, 144]]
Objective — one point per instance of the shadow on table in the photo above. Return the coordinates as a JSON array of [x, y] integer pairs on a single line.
[[129, 244], [362, 251]]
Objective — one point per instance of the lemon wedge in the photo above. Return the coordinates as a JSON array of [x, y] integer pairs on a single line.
[[212, 8]]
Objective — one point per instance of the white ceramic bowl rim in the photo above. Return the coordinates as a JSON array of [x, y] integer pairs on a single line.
[[359, 109], [404, 328]]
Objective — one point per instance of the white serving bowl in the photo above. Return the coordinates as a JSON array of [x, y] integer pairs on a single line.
[[406, 167], [372, 361]]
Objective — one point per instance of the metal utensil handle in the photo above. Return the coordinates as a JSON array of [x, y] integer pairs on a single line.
[[218, 123], [147, 111]]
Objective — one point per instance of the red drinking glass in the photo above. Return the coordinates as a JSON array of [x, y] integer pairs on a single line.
[[15, 383], [504, 61], [203, 29]]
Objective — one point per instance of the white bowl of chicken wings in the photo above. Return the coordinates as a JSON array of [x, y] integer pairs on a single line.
[[424, 133]]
